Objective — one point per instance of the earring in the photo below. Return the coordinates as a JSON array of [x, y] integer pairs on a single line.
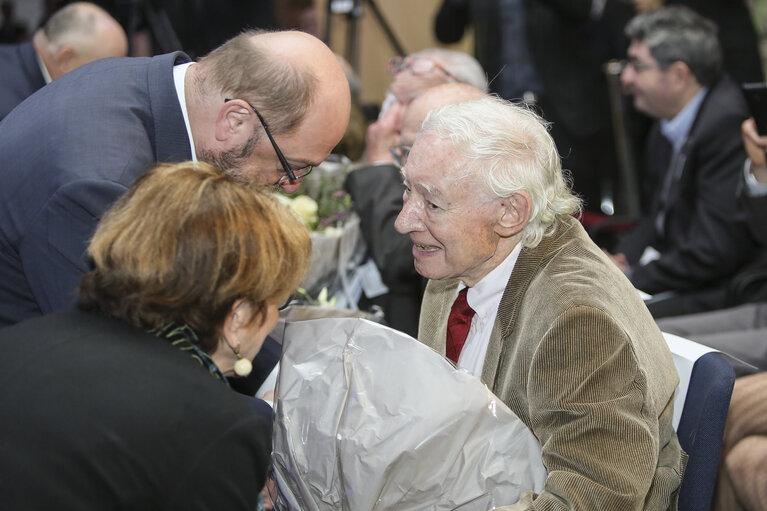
[[242, 367]]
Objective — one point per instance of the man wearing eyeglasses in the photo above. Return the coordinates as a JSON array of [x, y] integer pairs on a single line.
[[265, 107], [414, 75], [694, 237]]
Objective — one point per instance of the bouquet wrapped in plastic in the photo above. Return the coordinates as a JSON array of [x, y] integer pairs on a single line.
[[337, 246], [369, 418]]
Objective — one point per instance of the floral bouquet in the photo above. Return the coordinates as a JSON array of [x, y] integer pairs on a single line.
[[337, 247]]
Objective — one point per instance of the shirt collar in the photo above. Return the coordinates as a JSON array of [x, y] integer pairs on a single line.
[[486, 294], [43, 69], [677, 129], [179, 73]]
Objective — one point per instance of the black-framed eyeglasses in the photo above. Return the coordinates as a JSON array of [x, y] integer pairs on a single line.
[[292, 175], [418, 65], [399, 154]]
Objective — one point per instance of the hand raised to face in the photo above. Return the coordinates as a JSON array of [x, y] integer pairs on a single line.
[[383, 134]]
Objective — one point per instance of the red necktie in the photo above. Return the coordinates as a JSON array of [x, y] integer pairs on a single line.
[[458, 324]]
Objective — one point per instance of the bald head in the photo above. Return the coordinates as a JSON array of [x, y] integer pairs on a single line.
[[331, 98], [286, 75], [289, 81], [434, 98], [77, 34]]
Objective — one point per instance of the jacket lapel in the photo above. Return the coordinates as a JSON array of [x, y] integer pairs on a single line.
[[525, 269]]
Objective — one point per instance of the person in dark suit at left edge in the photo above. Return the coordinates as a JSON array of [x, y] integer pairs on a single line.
[[125, 404], [75, 35]]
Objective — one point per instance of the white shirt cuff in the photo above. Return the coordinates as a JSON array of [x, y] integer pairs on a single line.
[[753, 187]]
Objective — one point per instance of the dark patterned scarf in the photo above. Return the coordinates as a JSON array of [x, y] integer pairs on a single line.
[[183, 337]]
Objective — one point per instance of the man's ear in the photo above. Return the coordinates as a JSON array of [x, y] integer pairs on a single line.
[[64, 61], [515, 212], [680, 74], [234, 122]]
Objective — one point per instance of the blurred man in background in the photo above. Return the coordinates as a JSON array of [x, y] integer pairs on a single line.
[[76, 35]]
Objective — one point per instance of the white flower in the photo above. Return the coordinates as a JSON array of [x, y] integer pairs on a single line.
[[322, 299], [306, 208]]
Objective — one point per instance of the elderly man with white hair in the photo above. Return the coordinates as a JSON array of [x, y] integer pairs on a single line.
[[522, 298]]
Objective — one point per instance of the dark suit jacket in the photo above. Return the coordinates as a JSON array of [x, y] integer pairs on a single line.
[[377, 195], [566, 46], [568, 50], [98, 415], [577, 357], [750, 284], [705, 239], [20, 76], [757, 210], [68, 152]]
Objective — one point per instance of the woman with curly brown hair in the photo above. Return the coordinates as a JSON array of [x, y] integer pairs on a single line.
[[124, 404]]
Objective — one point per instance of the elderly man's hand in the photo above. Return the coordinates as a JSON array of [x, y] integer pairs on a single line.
[[756, 146], [383, 134]]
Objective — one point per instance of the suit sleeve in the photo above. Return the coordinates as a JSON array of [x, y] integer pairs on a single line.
[[756, 208], [452, 19], [53, 250], [574, 10], [716, 241], [599, 443], [377, 195]]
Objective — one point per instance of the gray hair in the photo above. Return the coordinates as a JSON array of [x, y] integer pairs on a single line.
[[677, 33], [463, 66], [241, 68], [69, 24], [509, 148]]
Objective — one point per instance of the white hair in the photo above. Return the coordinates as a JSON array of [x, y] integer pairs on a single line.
[[463, 66], [508, 147]]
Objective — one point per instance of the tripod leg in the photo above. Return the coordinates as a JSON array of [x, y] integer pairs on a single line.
[[386, 28]]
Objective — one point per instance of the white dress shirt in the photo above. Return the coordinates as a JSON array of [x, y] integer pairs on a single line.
[[484, 298], [179, 73]]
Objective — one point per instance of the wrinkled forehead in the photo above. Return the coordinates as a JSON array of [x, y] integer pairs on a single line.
[[433, 157]]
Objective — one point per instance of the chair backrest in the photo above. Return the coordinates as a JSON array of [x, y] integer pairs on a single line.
[[700, 413]]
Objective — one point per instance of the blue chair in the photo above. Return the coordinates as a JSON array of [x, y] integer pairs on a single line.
[[701, 405]]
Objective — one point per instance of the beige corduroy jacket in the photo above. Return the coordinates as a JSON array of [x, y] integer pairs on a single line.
[[577, 356]]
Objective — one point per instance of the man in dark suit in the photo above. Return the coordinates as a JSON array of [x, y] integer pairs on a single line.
[[550, 52], [75, 146], [695, 237], [76, 35], [740, 331], [737, 35]]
